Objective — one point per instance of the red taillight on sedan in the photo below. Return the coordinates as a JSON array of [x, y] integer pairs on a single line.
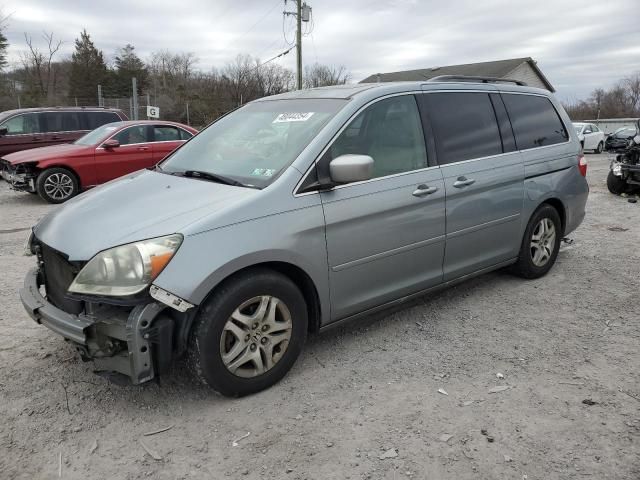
[[582, 165]]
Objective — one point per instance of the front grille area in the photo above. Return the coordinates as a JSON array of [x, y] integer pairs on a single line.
[[58, 274]]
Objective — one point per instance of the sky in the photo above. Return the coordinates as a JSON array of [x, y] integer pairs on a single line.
[[579, 45]]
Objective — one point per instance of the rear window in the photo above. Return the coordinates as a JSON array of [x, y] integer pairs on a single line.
[[97, 119], [464, 125], [535, 121]]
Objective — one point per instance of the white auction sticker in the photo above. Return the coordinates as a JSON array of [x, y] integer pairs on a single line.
[[293, 117]]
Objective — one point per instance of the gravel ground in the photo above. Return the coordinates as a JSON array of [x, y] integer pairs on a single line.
[[366, 400]]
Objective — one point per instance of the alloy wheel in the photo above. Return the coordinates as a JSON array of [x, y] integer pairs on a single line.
[[58, 186], [543, 242], [255, 336]]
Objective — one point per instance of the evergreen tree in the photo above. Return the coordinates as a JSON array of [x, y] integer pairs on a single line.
[[88, 70], [127, 66]]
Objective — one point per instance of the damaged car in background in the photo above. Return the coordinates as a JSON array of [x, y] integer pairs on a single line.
[[624, 171], [59, 172]]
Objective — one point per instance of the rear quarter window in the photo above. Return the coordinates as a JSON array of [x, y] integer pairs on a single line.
[[535, 121]]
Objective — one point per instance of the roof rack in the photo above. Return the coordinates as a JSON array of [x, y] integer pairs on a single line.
[[468, 78]]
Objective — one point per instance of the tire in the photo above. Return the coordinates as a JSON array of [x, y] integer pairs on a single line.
[[57, 185], [215, 335], [536, 262], [600, 148], [615, 184]]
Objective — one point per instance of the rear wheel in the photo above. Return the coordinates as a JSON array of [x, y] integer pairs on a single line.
[[540, 244], [600, 147], [616, 184], [249, 333], [56, 185]]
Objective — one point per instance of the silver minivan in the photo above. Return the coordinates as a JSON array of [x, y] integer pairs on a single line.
[[302, 210]]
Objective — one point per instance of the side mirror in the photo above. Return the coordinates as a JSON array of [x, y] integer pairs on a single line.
[[3, 131], [351, 168], [111, 143]]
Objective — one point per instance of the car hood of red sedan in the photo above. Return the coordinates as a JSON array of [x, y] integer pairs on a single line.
[[46, 153]]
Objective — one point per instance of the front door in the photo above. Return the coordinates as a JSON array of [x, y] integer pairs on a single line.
[[385, 236], [134, 153], [23, 132], [483, 176]]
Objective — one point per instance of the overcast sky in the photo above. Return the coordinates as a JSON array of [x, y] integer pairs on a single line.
[[579, 44]]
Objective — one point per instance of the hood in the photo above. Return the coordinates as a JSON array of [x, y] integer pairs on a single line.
[[45, 153], [142, 205]]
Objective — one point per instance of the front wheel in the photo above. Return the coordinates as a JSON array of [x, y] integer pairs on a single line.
[[249, 333], [540, 244], [615, 184], [600, 147], [56, 185]]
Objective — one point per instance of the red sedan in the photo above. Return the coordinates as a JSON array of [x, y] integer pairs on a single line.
[[59, 172]]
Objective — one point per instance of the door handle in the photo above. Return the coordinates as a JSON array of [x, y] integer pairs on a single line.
[[463, 182], [56, 137], [143, 148], [422, 190]]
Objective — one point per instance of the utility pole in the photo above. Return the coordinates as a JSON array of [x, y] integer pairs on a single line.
[[134, 86], [302, 14], [100, 101]]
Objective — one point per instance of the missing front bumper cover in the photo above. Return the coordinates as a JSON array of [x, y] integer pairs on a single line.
[[135, 330]]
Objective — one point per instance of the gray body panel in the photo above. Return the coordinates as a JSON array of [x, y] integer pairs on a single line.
[[362, 245]]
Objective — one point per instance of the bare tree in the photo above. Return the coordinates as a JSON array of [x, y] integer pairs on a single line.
[[318, 75], [39, 66]]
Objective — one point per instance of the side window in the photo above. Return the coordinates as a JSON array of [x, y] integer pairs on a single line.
[[594, 129], [128, 136], [390, 132], [464, 126], [60, 121], [165, 134], [535, 121], [184, 135], [22, 124], [97, 119], [51, 121]]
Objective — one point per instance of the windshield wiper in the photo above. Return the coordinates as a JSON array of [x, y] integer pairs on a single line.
[[214, 177]]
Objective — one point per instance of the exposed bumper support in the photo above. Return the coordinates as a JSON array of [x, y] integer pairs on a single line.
[[69, 326], [142, 328]]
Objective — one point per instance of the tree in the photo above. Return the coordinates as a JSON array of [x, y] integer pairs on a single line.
[[128, 65], [318, 75], [88, 70], [40, 72]]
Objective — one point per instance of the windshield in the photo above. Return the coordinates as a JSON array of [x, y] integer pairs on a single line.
[[93, 137], [578, 127], [256, 142]]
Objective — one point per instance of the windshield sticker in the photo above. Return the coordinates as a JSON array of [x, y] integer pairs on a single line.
[[264, 172], [293, 117]]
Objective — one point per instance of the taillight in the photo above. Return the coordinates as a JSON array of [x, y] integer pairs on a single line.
[[582, 165]]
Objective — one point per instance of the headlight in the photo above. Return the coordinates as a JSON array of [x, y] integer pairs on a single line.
[[127, 269], [617, 169]]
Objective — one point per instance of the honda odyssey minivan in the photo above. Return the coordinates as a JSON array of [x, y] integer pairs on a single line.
[[302, 210]]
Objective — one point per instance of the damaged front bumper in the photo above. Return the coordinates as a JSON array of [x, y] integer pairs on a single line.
[[20, 177], [137, 342]]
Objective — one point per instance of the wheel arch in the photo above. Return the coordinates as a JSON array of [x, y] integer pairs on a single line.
[[41, 167], [294, 273], [560, 208]]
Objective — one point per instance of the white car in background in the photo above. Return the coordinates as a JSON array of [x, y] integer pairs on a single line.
[[590, 136]]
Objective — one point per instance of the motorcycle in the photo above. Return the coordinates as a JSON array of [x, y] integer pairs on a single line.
[[624, 171]]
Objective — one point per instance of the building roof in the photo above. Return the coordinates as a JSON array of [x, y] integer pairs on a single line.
[[498, 68]]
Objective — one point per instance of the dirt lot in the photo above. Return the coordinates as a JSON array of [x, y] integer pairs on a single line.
[[365, 390]]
